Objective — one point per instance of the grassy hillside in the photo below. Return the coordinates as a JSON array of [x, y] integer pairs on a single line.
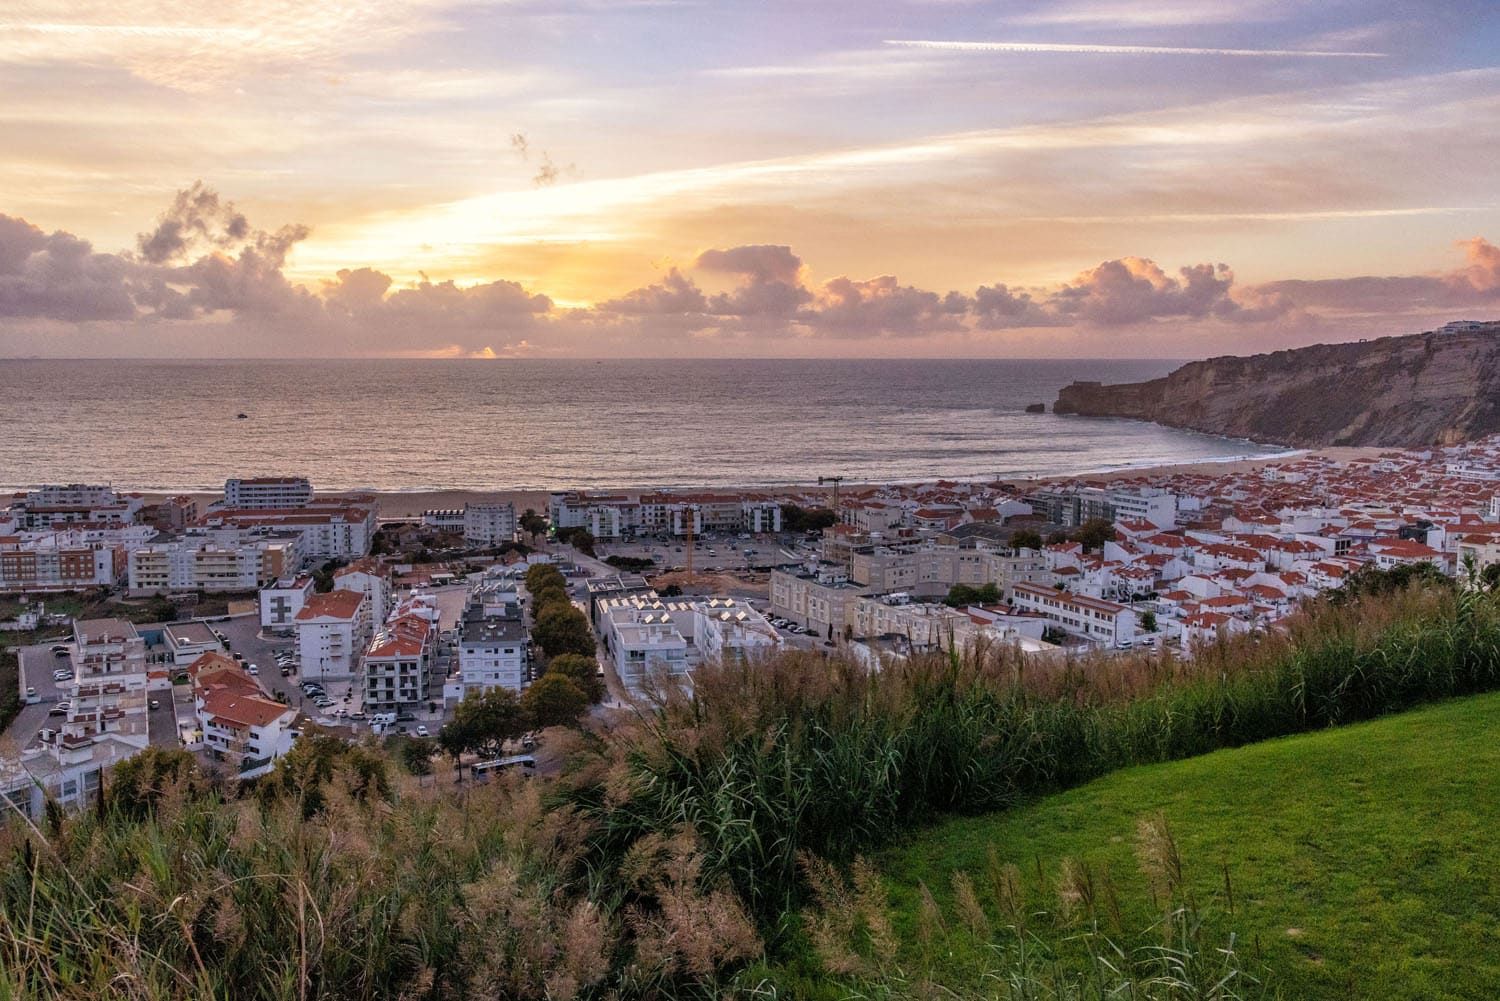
[[1362, 861]]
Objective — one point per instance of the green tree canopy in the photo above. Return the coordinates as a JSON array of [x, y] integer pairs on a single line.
[[563, 629], [554, 700], [1026, 539], [801, 519], [538, 574], [582, 671], [960, 595], [1094, 533], [483, 722]]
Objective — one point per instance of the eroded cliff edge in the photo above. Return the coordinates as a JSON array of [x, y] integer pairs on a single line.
[[1439, 387]]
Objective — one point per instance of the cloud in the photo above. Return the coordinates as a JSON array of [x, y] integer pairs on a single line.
[[1134, 290], [57, 276], [882, 307], [1071, 48], [203, 271], [760, 263], [196, 215]]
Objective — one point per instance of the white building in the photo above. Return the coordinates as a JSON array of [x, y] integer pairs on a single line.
[[331, 528], [107, 702], [398, 663], [367, 577], [817, 599], [76, 503], [489, 524], [727, 627], [280, 602], [237, 722], [187, 641], [493, 646], [646, 645], [1159, 507], [1102, 622], [267, 492], [333, 631]]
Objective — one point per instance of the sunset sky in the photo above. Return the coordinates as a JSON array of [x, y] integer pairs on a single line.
[[600, 178]]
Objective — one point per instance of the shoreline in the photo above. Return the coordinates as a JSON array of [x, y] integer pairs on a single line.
[[407, 504]]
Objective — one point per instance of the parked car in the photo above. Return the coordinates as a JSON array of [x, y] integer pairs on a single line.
[[60, 650], [32, 698], [252, 669], [406, 717], [421, 730], [323, 703], [60, 709], [62, 675], [154, 703]]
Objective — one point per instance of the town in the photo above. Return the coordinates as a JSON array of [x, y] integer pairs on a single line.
[[233, 627]]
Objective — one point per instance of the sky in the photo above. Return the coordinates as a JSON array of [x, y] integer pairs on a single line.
[[673, 178]]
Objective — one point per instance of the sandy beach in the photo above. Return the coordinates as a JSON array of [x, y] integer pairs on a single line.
[[411, 504]]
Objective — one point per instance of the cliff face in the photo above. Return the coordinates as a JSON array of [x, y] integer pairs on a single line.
[[1423, 389]]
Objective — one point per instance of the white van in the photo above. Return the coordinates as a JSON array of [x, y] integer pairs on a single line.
[[382, 719]]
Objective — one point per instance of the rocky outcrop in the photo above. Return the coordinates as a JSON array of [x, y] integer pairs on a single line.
[[1435, 388]]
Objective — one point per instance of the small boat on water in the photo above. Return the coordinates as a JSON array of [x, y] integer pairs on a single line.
[[241, 417]]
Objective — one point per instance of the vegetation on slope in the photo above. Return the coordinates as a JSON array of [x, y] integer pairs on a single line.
[[677, 842], [1356, 862]]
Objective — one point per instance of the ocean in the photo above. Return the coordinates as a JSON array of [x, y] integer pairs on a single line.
[[394, 425]]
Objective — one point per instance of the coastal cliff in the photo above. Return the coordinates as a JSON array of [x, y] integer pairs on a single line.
[[1437, 388]]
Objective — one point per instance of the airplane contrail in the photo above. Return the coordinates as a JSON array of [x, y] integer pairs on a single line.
[[1132, 50]]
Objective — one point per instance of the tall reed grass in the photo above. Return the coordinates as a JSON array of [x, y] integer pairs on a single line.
[[672, 844], [769, 760]]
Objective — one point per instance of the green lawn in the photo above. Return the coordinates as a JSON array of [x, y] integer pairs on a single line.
[[1364, 861]]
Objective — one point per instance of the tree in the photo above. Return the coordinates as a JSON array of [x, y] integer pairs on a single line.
[[800, 519], [1094, 533], [533, 524], [582, 671], [1148, 621], [961, 595], [416, 755], [482, 723], [548, 596], [1057, 537], [1026, 539], [563, 629], [579, 538], [554, 700], [538, 574]]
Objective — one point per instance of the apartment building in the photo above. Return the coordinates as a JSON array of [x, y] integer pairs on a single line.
[[106, 719], [331, 528], [267, 492], [397, 665], [494, 648], [368, 577], [282, 600], [489, 524], [333, 631], [818, 599], [55, 563], [646, 645], [198, 563], [919, 626], [613, 516], [728, 627], [52, 507], [1102, 622]]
